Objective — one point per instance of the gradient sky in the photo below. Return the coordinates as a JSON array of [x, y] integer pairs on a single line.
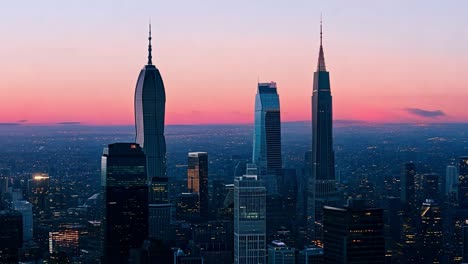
[[390, 61]]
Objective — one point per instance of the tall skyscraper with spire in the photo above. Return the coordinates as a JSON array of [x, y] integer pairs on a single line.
[[321, 183], [150, 104]]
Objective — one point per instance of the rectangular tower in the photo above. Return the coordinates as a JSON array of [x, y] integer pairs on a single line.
[[249, 220], [354, 234], [267, 137], [463, 182], [197, 179], [125, 190]]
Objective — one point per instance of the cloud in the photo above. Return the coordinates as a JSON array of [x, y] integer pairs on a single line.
[[22, 121], [68, 123], [9, 124], [425, 113]]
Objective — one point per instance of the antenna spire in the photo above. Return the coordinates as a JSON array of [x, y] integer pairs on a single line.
[[320, 29], [321, 60], [150, 57]]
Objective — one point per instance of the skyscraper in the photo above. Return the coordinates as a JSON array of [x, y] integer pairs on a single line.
[[150, 104], [431, 232], [463, 182], [451, 182], [249, 220], [321, 183], [431, 186], [126, 200], [25, 208], [11, 236], [407, 196], [353, 234], [267, 137], [197, 179], [38, 193], [280, 253]]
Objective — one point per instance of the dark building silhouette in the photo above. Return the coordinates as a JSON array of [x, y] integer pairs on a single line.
[[187, 207], [322, 183], [431, 186], [310, 255], [353, 234], [267, 137], [407, 195], [126, 200], [463, 182], [197, 180], [465, 242], [431, 230], [11, 236], [150, 107]]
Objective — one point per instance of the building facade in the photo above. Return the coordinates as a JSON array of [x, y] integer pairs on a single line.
[[150, 107], [354, 234], [126, 200], [197, 180], [267, 137], [322, 183], [463, 182], [249, 220]]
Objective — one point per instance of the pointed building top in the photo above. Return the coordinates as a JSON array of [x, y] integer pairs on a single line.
[[321, 59], [150, 57]]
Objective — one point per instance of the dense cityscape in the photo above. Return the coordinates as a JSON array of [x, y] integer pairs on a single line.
[[325, 191]]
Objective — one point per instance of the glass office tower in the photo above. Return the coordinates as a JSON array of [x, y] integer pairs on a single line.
[[249, 220], [150, 106], [197, 179], [267, 137], [125, 189]]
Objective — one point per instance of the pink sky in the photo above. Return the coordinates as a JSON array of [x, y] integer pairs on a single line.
[[86, 72]]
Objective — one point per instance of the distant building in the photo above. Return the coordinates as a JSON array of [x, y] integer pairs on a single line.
[[249, 220], [451, 182], [159, 187], [465, 242], [310, 255], [279, 253], [197, 180], [126, 200], [353, 234], [38, 193], [187, 207], [66, 240], [431, 232], [407, 195], [267, 137], [25, 208], [150, 107], [431, 186], [160, 216], [11, 236], [463, 182]]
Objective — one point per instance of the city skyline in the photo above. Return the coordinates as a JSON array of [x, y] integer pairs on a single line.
[[197, 55]]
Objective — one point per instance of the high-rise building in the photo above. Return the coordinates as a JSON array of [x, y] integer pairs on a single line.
[[159, 221], [463, 182], [407, 195], [150, 106], [249, 220], [126, 200], [280, 253], [431, 233], [353, 234], [11, 236], [197, 180], [310, 255], [451, 180], [267, 137], [465, 242], [321, 184], [431, 186], [187, 207], [38, 193], [159, 187], [25, 208], [65, 240]]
